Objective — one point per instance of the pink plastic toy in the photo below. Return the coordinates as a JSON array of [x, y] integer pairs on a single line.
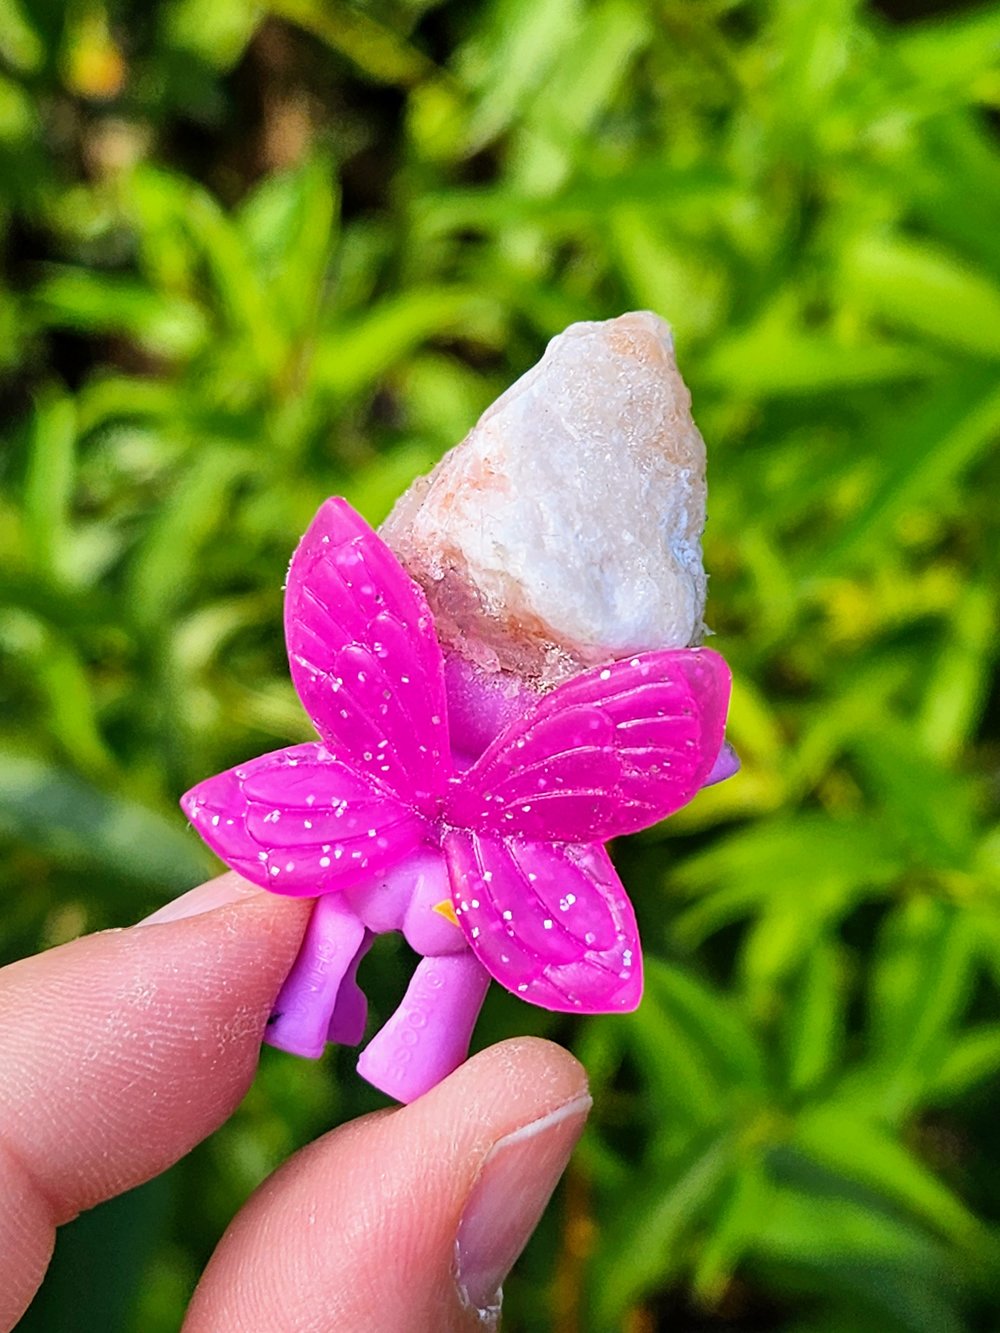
[[472, 822]]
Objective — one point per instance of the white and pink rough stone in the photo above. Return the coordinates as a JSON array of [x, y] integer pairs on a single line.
[[565, 529]]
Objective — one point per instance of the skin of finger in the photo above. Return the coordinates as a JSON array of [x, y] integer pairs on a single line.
[[356, 1232], [122, 1050], [27, 1237]]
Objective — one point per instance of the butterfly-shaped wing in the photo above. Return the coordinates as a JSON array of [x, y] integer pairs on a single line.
[[300, 821], [549, 921], [613, 750], [364, 658]]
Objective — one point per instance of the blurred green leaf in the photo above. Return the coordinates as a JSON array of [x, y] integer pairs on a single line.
[[923, 451], [168, 561], [886, 1274], [815, 1021], [973, 1058], [102, 303], [20, 42], [217, 33], [352, 356], [919, 288], [959, 681], [749, 1198], [374, 47], [288, 224], [835, 1137], [48, 485], [663, 1216], [60, 816], [950, 52], [808, 866], [921, 979]]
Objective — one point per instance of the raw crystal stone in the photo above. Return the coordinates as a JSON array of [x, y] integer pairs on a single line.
[[565, 529]]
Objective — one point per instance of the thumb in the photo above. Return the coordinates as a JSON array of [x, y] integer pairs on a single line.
[[409, 1219]]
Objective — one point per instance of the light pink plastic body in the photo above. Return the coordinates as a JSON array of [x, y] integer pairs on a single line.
[[469, 816]]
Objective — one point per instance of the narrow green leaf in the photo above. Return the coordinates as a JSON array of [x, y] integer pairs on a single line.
[[814, 1023], [49, 481], [710, 1021], [732, 1231], [777, 363], [163, 570], [835, 1137], [792, 857], [971, 1058], [928, 446], [930, 810], [587, 198], [920, 982], [60, 676], [508, 60], [678, 1068], [112, 399], [238, 286], [373, 46], [353, 356], [288, 226], [663, 275], [882, 1273], [950, 51], [165, 323], [958, 683], [917, 287], [642, 1248]]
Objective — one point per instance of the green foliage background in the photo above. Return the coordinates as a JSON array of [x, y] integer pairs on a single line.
[[255, 254]]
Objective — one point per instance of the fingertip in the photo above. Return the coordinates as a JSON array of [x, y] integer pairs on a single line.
[[408, 1219], [132, 1045], [514, 1076]]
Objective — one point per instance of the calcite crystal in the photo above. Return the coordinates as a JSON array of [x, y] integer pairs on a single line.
[[564, 531]]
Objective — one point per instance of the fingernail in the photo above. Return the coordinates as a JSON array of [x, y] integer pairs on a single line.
[[219, 892], [514, 1184]]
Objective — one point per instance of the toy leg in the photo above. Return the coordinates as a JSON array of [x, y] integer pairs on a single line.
[[428, 1035], [350, 1014], [306, 1004]]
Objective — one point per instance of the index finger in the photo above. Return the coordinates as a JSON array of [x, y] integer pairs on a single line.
[[120, 1051]]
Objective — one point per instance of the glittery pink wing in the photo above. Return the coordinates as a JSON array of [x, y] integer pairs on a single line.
[[364, 658], [300, 821], [551, 922], [611, 751]]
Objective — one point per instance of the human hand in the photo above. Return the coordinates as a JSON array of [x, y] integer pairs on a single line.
[[122, 1050]]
